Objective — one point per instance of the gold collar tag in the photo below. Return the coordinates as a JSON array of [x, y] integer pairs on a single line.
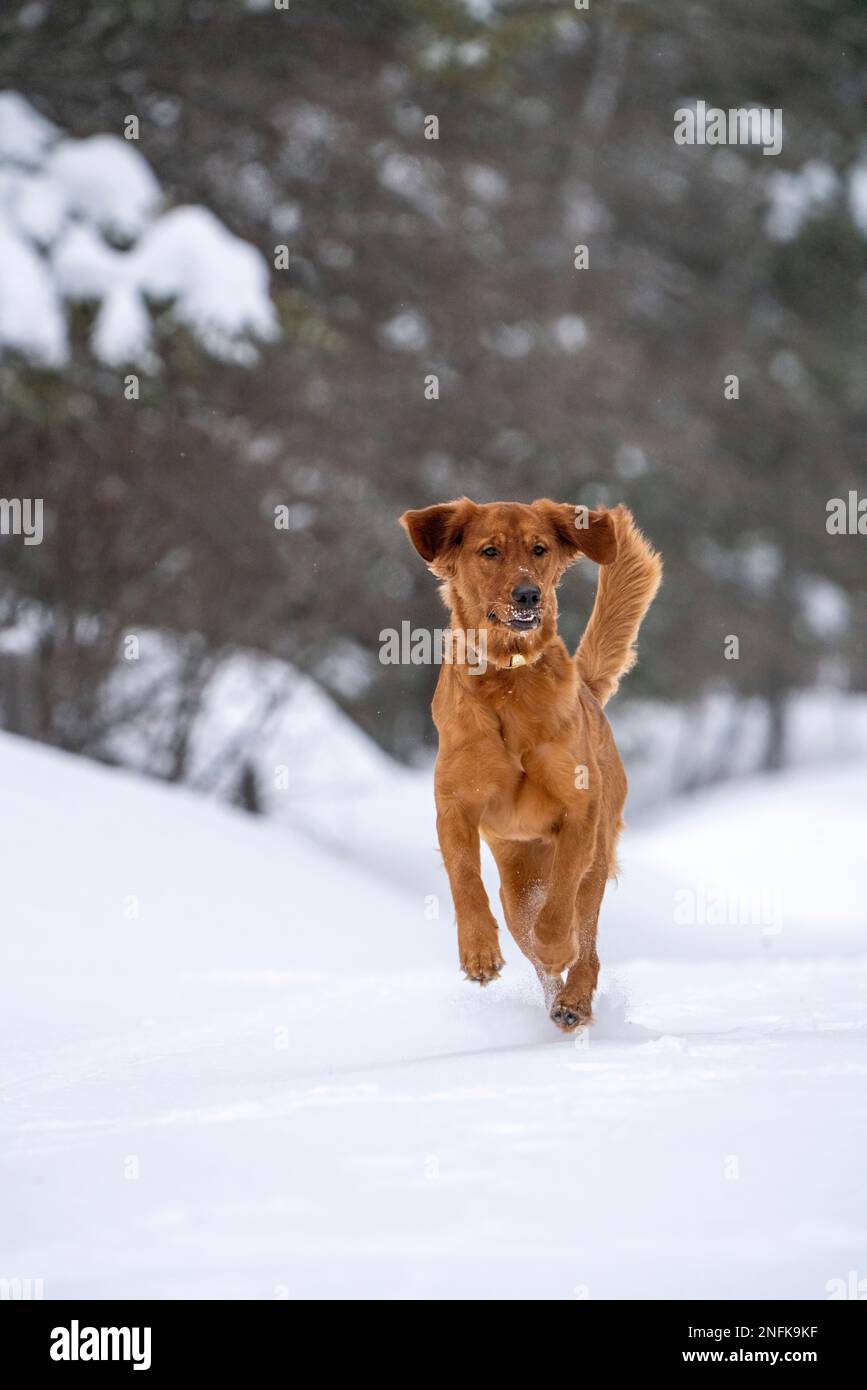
[[517, 660]]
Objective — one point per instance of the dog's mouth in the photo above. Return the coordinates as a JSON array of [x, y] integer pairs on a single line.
[[518, 619]]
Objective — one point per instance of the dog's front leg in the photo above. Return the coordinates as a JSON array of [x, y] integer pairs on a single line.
[[555, 937], [478, 935]]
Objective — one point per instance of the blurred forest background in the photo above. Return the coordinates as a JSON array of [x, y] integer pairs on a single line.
[[385, 257]]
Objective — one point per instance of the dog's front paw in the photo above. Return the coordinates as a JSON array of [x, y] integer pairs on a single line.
[[481, 961]]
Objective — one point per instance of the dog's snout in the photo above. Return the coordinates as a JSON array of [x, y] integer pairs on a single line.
[[526, 596]]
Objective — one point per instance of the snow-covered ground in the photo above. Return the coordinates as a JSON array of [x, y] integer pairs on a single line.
[[240, 1061]]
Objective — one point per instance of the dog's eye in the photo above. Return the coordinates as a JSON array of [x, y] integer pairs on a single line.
[[540, 550], [491, 552]]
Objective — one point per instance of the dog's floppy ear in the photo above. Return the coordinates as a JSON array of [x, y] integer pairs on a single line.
[[435, 531], [581, 531]]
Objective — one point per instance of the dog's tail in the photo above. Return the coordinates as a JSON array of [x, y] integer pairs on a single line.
[[626, 590]]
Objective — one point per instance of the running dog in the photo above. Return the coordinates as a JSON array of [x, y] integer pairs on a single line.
[[527, 761]]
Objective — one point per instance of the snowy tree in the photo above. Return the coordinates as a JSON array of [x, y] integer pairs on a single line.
[[81, 223], [397, 259]]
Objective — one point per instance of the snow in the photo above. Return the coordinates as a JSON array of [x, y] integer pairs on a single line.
[[241, 1064], [479, 9], [31, 319], [570, 332], [254, 711], [858, 195], [85, 266], [24, 133], [106, 180], [122, 332], [37, 207], [795, 198], [67, 207], [825, 606], [406, 332], [218, 283], [486, 183]]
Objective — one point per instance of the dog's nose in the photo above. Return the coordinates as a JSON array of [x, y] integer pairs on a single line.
[[526, 596]]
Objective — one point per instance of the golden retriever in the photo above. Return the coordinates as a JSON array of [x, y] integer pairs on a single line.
[[527, 760]]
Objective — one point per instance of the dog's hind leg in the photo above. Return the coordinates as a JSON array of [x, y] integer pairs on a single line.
[[573, 1005], [524, 867]]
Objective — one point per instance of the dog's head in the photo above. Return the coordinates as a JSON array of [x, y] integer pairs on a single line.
[[501, 562]]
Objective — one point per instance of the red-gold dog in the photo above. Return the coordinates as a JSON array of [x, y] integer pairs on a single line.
[[527, 759]]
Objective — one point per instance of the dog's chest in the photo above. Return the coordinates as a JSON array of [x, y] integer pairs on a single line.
[[528, 800], [522, 727]]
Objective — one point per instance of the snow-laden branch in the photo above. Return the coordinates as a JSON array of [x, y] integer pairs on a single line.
[[81, 221]]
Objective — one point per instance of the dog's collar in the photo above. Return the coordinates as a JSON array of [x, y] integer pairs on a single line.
[[515, 661]]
